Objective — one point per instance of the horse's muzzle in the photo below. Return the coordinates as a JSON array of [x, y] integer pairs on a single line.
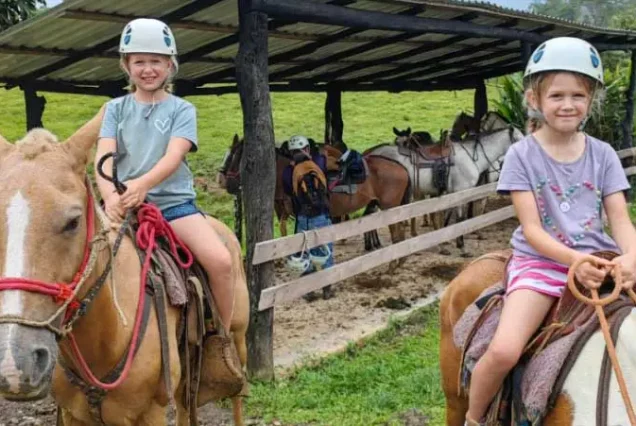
[[27, 359]]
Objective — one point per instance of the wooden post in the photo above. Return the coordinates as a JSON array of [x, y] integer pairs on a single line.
[[480, 101], [628, 122], [258, 178], [34, 107], [334, 127]]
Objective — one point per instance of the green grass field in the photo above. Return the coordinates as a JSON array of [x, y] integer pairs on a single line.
[[368, 119]]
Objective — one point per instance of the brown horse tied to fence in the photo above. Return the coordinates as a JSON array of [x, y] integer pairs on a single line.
[[387, 185], [57, 251]]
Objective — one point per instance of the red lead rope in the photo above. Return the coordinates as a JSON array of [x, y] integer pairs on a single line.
[[151, 225]]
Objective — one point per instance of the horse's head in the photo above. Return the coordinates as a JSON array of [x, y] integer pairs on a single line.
[[463, 124], [43, 240], [401, 136], [229, 177]]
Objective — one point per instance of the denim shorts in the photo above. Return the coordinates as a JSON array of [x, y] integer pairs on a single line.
[[182, 210]]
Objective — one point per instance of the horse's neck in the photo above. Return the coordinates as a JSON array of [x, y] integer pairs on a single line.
[[494, 146]]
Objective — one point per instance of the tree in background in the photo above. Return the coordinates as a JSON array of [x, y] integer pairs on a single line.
[[14, 11], [591, 12]]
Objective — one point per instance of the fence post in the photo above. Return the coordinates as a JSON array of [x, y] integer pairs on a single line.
[[258, 178]]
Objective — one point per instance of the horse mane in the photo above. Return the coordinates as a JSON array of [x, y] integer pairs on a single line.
[[36, 142]]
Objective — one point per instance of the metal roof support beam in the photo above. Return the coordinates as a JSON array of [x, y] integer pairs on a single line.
[[187, 10], [258, 179], [628, 122], [433, 64], [234, 38], [355, 18], [34, 107], [424, 47]]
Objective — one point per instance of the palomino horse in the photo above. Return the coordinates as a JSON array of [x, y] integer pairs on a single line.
[[577, 402], [386, 186], [53, 233], [469, 159]]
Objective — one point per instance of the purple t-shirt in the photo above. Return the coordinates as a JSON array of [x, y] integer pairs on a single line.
[[569, 196]]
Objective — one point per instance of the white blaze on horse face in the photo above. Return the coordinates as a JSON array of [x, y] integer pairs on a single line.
[[18, 214], [582, 381]]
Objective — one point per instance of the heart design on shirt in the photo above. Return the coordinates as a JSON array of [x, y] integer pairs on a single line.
[[162, 126]]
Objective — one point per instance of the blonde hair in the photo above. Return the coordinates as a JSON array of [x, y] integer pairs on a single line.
[[538, 83], [132, 87]]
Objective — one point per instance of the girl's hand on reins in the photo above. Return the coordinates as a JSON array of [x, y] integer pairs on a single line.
[[114, 209], [135, 195], [627, 268], [590, 275]]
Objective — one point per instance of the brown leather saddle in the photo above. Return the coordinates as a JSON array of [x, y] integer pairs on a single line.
[[424, 156]]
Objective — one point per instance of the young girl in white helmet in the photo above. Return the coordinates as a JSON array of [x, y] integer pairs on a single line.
[[152, 131], [558, 178]]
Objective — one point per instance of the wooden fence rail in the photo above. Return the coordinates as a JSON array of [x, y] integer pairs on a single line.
[[278, 248]]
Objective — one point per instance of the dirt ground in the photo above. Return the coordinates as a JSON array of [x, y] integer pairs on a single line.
[[361, 306]]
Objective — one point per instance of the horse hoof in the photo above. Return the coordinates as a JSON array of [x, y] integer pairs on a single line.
[[466, 254], [328, 293], [310, 297], [445, 252]]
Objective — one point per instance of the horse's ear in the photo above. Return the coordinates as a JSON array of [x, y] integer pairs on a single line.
[[396, 131], [408, 130], [80, 143], [235, 140]]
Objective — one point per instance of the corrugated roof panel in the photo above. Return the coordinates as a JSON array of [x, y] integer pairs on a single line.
[[95, 21], [14, 66]]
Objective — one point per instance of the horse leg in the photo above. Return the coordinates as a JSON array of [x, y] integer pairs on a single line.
[[398, 234], [282, 226], [414, 227], [441, 220], [461, 216], [155, 416], [371, 238]]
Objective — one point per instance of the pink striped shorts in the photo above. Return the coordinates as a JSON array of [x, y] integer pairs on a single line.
[[542, 276]]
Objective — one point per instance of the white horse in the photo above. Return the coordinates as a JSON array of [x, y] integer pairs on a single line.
[[468, 160]]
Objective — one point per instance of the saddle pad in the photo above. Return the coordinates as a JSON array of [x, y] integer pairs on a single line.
[[173, 277], [345, 189]]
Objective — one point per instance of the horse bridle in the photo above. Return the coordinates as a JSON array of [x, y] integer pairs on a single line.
[[65, 294]]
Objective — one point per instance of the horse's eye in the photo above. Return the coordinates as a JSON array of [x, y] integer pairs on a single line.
[[71, 225]]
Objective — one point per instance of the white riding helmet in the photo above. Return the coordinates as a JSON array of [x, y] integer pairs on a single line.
[[298, 142], [320, 255], [145, 35], [299, 263], [566, 54]]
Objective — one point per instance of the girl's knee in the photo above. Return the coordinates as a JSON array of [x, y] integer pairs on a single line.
[[503, 356], [218, 262]]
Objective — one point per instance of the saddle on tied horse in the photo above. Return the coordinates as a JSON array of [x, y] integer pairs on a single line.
[[531, 389], [211, 365], [345, 170]]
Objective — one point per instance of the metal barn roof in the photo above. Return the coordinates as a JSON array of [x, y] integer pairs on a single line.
[[73, 47]]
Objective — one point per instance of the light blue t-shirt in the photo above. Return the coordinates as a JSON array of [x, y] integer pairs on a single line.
[[143, 133], [568, 195]]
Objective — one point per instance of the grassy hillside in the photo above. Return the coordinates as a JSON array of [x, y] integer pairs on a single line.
[[368, 120]]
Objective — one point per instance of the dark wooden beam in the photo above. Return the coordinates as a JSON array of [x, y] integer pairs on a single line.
[[435, 63], [425, 46], [334, 126], [34, 107], [480, 101], [187, 10], [526, 51], [628, 122], [258, 179], [496, 69]]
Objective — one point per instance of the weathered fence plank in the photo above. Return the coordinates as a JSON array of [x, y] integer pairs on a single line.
[[296, 288], [280, 247]]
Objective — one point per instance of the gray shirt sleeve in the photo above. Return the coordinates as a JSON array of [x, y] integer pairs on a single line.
[[514, 176], [109, 123], [185, 125], [614, 179]]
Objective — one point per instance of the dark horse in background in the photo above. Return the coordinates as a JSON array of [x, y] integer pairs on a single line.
[[387, 185]]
